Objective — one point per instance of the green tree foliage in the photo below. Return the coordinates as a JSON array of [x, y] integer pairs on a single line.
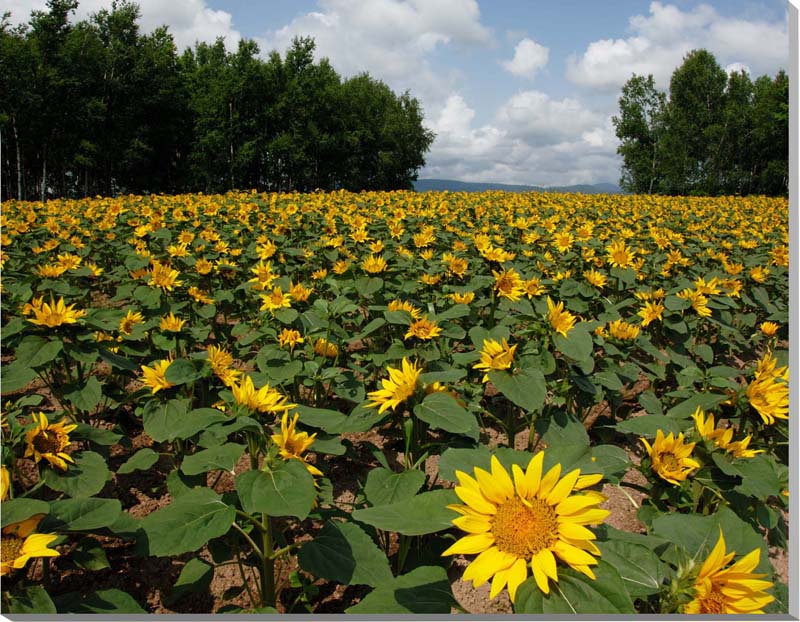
[[713, 134], [98, 107]]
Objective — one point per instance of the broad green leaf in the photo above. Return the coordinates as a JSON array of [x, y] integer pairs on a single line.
[[182, 371], [35, 351], [344, 553], [648, 425], [198, 420], [187, 523], [461, 459], [686, 409], [384, 487], [442, 412], [287, 490], [526, 389], [759, 477], [85, 478], [87, 398], [90, 555], [20, 509], [15, 377], [424, 590], [98, 436], [32, 600], [140, 461], [163, 420], [639, 567], [575, 593], [195, 578], [83, 514], [577, 345], [221, 458], [651, 403], [111, 601], [414, 516]]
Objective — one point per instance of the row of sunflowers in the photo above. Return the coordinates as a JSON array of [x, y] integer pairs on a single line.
[[395, 398]]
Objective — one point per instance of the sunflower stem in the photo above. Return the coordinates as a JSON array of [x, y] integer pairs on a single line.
[[267, 563]]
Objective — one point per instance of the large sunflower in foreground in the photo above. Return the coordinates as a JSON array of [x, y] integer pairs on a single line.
[[397, 388], [530, 520], [735, 589], [20, 544]]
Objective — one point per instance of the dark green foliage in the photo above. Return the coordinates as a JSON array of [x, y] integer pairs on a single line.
[[96, 107], [713, 134]]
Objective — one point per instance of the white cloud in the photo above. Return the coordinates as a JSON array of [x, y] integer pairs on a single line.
[[532, 139], [660, 40], [391, 39], [188, 20], [529, 58], [736, 68]]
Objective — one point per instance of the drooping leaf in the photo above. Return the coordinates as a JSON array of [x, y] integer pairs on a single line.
[[288, 490]]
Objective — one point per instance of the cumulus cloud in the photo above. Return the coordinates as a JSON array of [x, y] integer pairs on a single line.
[[391, 39], [533, 139], [659, 41], [529, 58], [188, 20]]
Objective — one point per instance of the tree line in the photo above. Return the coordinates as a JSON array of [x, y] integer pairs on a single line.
[[97, 107], [711, 134]]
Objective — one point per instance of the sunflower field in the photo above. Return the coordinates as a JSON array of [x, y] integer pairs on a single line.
[[395, 402]]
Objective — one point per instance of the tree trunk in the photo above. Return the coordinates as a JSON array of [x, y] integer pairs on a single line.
[[44, 174], [19, 157]]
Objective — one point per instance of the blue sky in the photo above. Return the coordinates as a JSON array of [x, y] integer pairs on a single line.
[[517, 91]]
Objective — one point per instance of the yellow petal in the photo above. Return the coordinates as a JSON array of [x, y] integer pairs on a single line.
[[475, 500], [574, 531], [520, 482], [489, 486], [498, 583], [540, 577], [563, 487], [491, 561], [516, 575], [548, 481], [574, 504], [502, 479], [589, 479], [470, 524], [471, 544], [534, 473], [547, 562]]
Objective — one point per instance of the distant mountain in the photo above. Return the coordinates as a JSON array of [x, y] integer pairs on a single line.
[[428, 185]]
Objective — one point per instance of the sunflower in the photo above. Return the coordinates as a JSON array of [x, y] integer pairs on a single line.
[[769, 391], [163, 276], [670, 457], [5, 483], [48, 440], [651, 312], [561, 321], [736, 589], [19, 544], [199, 295], [495, 356], [423, 329], [275, 300], [769, 328], [292, 444], [130, 320], [221, 360], [55, 314], [325, 348], [265, 399], [374, 264], [289, 337], [155, 377], [299, 292], [171, 323], [722, 437], [462, 299], [397, 388], [534, 287], [619, 255], [529, 520], [593, 277], [508, 284], [404, 305], [620, 329]]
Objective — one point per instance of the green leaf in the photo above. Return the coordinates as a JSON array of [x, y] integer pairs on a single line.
[[424, 590], [705, 353], [287, 490], [577, 345], [286, 316], [384, 487], [478, 334], [651, 403], [281, 371], [33, 599], [344, 553], [200, 419], [87, 398], [759, 477], [414, 516], [460, 459], [162, 420], [221, 458], [370, 328], [706, 401], [15, 377], [575, 593], [83, 479], [20, 509], [187, 523], [182, 371], [639, 567], [442, 412], [89, 555], [98, 436], [83, 514], [526, 389], [102, 601], [648, 425], [195, 578], [35, 351], [140, 461]]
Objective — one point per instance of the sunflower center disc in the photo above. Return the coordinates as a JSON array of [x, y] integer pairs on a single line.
[[10, 546], [49, 444], [713, 603], [670, 461], [524, 531]]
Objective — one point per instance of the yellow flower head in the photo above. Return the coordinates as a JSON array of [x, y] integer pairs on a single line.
[[593, 277], [462, 299], [325, 348], [619, 255], [671, 457], [508, 284], [55, 314], [561, 321], [265, 399], [171, 323], [19, 544], [289, 337], [374, 265], [722, 437], [292, 444], [155, 377], [299, 292], [423, 329], [130, 320], [48, 440], [199, 295], [163, 276], [275, 300], [495, 356], [735, 589], [532, 520], [651, 312], [397, 388], [534, 287], [769, 329], [620, 329], [5, 483], [404, 305], [769, 391]]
